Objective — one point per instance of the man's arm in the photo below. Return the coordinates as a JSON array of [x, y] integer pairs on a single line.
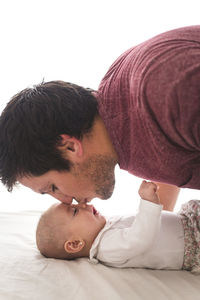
[[168, 195]]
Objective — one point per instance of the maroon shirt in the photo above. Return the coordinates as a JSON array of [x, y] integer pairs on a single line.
[[150, 103]]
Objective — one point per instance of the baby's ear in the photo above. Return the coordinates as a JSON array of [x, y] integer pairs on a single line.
[[74, 245]]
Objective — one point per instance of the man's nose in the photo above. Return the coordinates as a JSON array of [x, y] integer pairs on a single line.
[[64, 199]]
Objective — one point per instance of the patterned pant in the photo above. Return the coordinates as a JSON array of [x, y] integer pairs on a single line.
[[190, 217]]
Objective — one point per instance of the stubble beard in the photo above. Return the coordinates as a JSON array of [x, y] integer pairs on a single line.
[[100, 172]]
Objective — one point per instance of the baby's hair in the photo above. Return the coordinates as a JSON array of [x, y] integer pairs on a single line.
[[50, 238]]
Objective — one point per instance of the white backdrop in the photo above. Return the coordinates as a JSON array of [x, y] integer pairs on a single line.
[[77, 41]]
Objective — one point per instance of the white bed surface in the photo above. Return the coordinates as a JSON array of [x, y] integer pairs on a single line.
[[25, 274]]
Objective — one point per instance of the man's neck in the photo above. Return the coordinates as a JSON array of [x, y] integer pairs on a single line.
[[98, 140]]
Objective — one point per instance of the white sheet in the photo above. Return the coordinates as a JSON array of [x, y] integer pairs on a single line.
[[25, 274]]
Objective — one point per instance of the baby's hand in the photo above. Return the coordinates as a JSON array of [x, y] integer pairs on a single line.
[[147, 191]]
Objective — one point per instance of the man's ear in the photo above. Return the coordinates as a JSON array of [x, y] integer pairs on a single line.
[[74, 245], [70, 147]]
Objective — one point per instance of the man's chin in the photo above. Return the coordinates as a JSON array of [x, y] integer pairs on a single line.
[[106, 193]]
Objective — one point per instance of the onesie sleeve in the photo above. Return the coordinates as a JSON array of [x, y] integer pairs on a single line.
[[129, 242]]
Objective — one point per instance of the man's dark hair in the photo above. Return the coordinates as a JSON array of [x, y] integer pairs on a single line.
[[31, 125]]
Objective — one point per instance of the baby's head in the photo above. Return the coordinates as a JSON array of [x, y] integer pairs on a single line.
[[68, 231]]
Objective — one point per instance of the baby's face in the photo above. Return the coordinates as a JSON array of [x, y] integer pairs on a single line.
[[81, 220]]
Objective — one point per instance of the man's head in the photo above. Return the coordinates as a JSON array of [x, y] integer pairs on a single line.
[[68, 231], [32, 123], [47, 133]]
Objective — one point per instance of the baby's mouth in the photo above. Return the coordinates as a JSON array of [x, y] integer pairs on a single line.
[[95, 212]]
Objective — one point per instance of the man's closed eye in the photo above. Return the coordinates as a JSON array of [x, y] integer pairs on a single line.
[[53, 188]]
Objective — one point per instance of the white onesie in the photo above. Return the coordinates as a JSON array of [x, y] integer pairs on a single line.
[[151, 239]]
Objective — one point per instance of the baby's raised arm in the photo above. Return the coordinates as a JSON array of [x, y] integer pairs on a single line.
[[147, 191]]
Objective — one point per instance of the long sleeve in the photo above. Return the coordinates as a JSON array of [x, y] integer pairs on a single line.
[[118, 245]]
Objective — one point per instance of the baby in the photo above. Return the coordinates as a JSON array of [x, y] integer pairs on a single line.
[[152, 238]]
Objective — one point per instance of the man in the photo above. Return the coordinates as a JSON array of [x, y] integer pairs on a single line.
[[64, 140]]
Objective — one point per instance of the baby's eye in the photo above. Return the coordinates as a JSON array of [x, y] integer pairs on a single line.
[[75, 211], [53, 188]]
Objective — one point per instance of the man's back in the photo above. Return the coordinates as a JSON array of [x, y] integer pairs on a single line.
[[149, 101]]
